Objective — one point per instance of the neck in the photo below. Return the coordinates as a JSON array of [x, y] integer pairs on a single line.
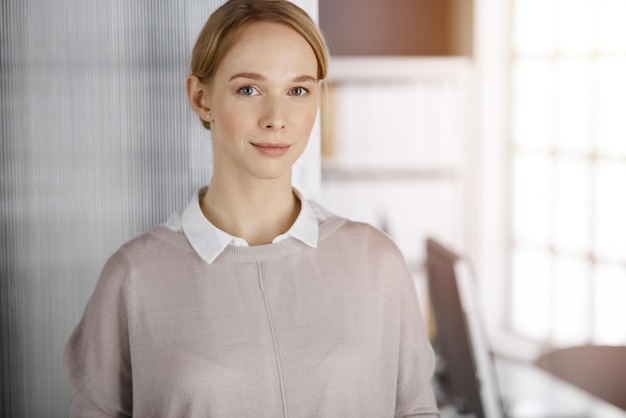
[[257, 211]]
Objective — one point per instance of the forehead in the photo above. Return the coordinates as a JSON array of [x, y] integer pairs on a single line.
[[268, 47]]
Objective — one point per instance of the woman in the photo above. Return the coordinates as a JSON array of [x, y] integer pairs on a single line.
[[254, 302]]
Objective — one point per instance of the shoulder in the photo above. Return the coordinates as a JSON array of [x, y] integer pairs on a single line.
[[337, 227], [147, 251], [360, 256], [156, 242], [360, 239]]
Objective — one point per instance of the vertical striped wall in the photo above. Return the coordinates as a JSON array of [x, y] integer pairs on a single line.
[[98, 144]]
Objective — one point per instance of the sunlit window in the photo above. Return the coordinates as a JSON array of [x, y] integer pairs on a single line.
[[568, 171]]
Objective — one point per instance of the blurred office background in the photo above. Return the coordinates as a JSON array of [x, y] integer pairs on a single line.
[[506, 138], [496, 126]]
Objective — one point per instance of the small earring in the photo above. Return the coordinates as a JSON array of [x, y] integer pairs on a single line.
[[208, 116]]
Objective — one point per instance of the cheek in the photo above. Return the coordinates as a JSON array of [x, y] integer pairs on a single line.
[[228, 121], [307, 119]]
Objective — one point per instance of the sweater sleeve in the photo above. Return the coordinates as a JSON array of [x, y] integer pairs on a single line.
[[415, 395], [81, 406], [97, 355]]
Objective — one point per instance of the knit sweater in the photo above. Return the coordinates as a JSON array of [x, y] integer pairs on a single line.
[[278, 330]]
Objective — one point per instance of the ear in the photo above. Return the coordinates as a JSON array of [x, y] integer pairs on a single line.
[[198, 96]]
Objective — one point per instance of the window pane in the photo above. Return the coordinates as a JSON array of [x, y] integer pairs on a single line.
[[612, 105], [568, 187], [572, 210], [574, 100], [610, 221], [531, 199], [531, 293], [610, 309], [533, 106], [572, 307], [611, 28], [575, 29], [534, 26]]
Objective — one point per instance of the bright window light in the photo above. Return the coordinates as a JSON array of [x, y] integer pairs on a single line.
[[573, 205], [612, 105], [568, 171], [532, 272], [574, 92], [572, 319], [611, 30], [574, 28], [534, 26], [531, 201], [610, 219], [610, 309], [533, 104]]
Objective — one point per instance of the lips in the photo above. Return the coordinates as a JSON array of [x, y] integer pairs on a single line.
[[271, 149]]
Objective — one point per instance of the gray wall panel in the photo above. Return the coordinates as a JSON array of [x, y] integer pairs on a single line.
[[97, 145]]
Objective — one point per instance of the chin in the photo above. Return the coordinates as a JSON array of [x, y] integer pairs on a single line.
[[273, 169], [270, 173]]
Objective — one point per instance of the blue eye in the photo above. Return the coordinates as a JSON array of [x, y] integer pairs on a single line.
[[247, 91]]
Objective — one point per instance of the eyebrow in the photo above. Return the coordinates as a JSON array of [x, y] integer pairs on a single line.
[[259, 77]]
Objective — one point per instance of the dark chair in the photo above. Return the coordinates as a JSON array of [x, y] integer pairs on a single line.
[[600, 370]]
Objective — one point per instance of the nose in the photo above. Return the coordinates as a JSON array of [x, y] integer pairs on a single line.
[[274, 116]]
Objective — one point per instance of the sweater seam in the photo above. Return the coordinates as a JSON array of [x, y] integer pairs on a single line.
[[268, 313]]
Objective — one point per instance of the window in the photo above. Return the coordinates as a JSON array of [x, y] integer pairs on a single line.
[[568, 171]]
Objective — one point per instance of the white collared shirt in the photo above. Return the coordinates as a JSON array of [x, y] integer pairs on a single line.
[[209, 241]]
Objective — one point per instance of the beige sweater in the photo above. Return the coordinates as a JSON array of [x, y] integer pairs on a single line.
[[279, 330]]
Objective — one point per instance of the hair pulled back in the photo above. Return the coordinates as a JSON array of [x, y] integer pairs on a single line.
[[228, 22]]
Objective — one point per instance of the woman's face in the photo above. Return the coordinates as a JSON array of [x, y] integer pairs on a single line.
[[263, 102]]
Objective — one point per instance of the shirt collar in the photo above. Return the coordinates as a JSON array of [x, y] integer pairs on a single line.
[[208, 241]]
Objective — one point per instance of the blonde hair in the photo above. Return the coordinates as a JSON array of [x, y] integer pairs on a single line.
[[226, 24]]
